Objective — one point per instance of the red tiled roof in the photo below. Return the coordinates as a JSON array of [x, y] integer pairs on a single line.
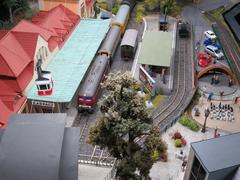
[[26, 26], [2, 33], [28, 41], [13, 56], [59, 20]]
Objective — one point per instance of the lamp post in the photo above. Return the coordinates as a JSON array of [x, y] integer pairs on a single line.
[[206, 112]]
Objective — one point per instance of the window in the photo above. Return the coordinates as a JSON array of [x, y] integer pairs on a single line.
[[42, 53], [42, 87], [88, 99], [197, 171], [82, 10]]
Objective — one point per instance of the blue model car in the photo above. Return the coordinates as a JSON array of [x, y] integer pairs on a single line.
[[214, 43]]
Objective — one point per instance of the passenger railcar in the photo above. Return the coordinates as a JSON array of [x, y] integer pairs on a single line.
[[129, 44], [90, 89], [110, 44], [121, 19]]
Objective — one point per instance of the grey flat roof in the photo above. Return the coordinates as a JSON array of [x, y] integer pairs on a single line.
[[218, 153], [130, 37], [1, 133], [33, 147], [69, 160]]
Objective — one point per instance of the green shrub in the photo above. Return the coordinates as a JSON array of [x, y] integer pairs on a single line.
[[178, 143], [115, 8], [155, 155], [191, 124]]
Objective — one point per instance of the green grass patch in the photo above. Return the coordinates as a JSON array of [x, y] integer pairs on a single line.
[[157, 100], [102, 4], [190, 123], [217, 13]]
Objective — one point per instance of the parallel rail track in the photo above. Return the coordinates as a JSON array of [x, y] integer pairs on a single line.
[[167, 113]]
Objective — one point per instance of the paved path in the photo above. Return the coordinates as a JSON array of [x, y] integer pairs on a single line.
[[171, 170], [230, 126]]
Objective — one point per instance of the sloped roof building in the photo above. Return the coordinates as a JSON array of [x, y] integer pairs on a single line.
[[23, 45]]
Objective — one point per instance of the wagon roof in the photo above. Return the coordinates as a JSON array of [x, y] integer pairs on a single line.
[[130, 37]]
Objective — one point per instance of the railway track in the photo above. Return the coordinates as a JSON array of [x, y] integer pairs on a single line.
[[168, 112]]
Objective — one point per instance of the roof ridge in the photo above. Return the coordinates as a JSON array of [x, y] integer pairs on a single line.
[[17, 56], [36, 25], [7, 62], [22, 44]]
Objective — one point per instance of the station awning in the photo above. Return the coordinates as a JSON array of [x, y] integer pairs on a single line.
[[156, 49]]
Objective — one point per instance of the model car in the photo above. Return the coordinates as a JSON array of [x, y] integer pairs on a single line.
[[213, 51], [209, 34], [203, 59], [214, 43]]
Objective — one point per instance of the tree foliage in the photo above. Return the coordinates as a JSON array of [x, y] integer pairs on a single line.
[[168, 6], [13, 5], [124, 119]]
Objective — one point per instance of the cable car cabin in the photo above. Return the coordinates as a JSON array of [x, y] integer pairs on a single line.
[[45, 84], [90, 89], [183, 30], [129, 44], [163, 24]]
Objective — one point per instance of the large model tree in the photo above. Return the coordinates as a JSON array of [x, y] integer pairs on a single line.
[[124, 119]]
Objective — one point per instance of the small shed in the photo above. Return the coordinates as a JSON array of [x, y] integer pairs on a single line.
[[129, 44]]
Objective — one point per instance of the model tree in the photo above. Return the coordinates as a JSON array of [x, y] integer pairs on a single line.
[[125, 119]]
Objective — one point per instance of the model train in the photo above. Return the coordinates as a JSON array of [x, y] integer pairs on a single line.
[[90, 88]]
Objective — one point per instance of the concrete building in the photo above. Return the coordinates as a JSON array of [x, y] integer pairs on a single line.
[[39, 147], [84, 8], [214, 159]]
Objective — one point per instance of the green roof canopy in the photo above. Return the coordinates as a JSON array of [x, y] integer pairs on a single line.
[[156, 48], [70, 64]]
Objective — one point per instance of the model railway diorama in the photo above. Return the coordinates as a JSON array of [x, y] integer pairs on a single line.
[[90, 89]]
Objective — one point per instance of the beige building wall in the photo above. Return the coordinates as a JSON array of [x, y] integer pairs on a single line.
[[77, 6], [189, 165]]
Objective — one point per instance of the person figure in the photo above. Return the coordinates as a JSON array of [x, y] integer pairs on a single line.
[[217, 79], [184, 163], [229, 82], [221, 94], [212, 80]]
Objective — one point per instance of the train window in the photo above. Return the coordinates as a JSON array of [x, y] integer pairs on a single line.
[[88, 99]]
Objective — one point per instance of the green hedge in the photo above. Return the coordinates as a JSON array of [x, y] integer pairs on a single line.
[[191, 124], [178, 143]]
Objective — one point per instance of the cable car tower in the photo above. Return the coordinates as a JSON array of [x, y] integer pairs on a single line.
[[44, 81]]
